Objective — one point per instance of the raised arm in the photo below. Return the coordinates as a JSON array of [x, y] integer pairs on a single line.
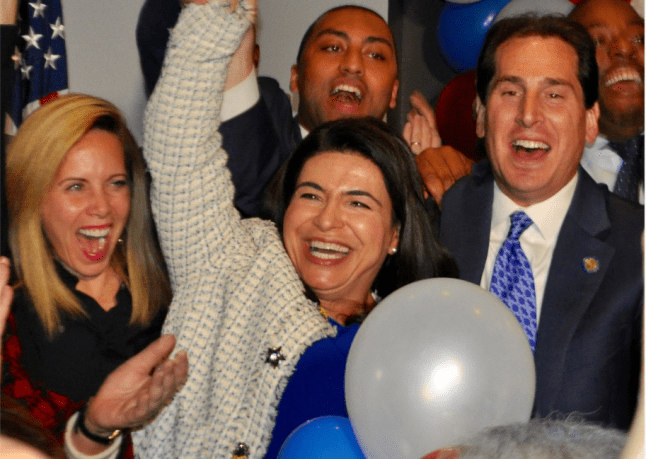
[[191, 190]]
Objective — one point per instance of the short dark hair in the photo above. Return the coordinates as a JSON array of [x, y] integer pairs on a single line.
[[310, 29], [529, 25], [419, 255]]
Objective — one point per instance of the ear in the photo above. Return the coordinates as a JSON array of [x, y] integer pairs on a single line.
[[394, 240], [592, 123], [293, 80], [480, 117], [393, 97]]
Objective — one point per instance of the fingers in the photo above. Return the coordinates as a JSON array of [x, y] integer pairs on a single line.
[[6, 292], [154, 354], [421, 129], [432, 181], [421, 105], [408, 131], [418, 134], [440, 168], [167, 379]]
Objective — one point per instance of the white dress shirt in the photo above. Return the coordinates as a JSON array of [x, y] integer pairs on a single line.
[[537, 241], [603, 164], [240, 98]]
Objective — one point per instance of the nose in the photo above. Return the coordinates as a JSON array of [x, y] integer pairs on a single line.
[[329, 217], [352, 61], [529, 110], [621, 47], [99, 204]]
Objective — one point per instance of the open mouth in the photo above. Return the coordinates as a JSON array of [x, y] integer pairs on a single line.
[[530, 146], [624, 75], [347, 93], [94, 242], [328, 250]]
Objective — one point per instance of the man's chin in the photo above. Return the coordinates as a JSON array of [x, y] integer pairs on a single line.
[[623, 114]]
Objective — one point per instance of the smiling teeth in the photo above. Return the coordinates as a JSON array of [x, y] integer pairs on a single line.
[[624, 75], [328, 250], [347, 88], [95, 233], [530, 145]]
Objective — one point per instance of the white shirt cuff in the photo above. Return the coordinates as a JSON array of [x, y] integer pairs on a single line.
[[240, 98], [73, 453]]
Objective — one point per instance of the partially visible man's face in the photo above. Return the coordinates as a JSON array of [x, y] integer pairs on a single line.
[[535, 123], [618, 32], [348, 69]]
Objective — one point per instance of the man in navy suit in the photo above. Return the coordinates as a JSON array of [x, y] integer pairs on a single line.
[[346, 67], [536, 108], [617, 152]]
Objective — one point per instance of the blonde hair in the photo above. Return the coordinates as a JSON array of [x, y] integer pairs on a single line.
[[33, 157]]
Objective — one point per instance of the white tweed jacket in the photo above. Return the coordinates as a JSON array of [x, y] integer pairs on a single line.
[[238, 306]]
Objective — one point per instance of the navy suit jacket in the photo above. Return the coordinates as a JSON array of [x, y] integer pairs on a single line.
[[588, 346]]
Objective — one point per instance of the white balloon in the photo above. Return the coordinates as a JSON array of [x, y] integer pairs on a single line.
[[516, 7], [435, 361]]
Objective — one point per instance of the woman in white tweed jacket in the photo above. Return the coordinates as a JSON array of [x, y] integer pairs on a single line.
[[240, 308]]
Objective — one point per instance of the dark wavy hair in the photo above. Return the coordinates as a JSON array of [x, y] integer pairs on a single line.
[[419, 254], [529, 25]]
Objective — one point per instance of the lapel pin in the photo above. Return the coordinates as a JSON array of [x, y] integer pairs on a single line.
[[590, 265]]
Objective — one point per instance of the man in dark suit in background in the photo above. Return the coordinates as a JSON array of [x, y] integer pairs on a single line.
[[255, 112], [346, 67], [616, 156], [532, 226]]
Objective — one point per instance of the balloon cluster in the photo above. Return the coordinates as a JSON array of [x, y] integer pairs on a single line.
[[435, 361], [463, 25]]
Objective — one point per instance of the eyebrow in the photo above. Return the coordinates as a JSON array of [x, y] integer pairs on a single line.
[[519, 81], [318, 187], [601, 25], [345, 36]]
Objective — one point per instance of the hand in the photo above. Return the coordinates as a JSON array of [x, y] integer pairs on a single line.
[[420, 131], [197, 2], [234, 3], [8, 11], [134, 393], [440, 168], [6, 293]]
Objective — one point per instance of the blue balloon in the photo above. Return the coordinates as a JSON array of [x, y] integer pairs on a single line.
[[461, 31], [327, 437]]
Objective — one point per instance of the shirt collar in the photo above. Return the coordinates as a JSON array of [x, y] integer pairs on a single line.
[[547, 215], [304, 132]]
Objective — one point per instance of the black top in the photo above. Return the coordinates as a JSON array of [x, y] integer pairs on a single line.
[[80, 357]]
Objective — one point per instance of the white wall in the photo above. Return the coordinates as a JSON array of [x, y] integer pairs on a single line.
[[102, 53]]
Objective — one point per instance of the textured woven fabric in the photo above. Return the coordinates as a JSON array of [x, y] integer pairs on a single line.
[[631, 174], [512, 280], [236, 293]]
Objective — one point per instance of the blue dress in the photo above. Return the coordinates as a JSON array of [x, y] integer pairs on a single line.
[[316, 388]]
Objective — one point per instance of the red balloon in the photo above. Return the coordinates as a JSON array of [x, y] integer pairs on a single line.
[[454, 115]]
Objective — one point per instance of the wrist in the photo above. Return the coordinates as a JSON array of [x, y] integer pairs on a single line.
[[92, 431]]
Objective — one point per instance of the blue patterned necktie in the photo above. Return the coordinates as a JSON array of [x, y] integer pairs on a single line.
[[513, 281], [631, 174]]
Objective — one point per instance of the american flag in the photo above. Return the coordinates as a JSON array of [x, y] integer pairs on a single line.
[[39, 59]]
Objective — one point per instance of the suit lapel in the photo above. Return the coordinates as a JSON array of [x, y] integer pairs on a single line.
[[570, 286], [466, 223]]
